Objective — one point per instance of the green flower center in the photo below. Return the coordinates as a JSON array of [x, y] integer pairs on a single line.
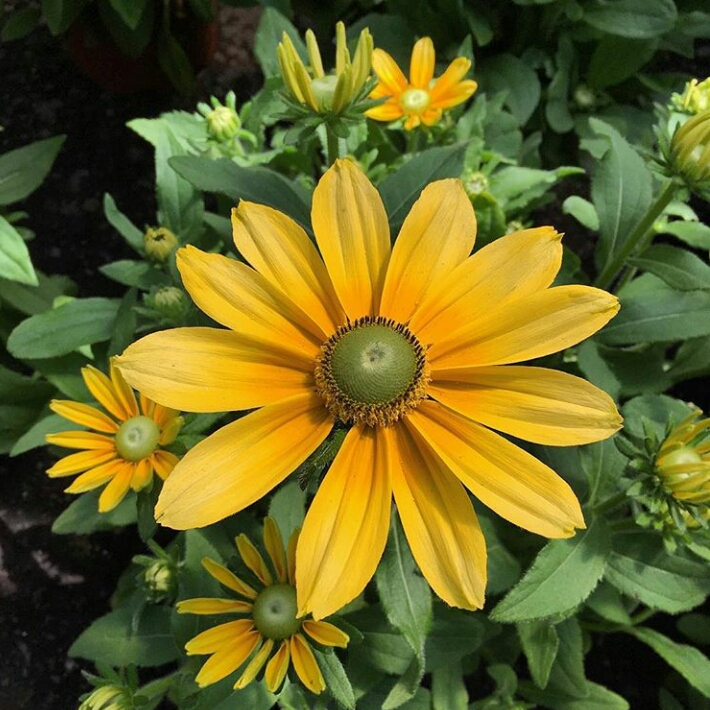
[[414, 100], [275, 610], [323, 88], [371, 372], [137, 438]]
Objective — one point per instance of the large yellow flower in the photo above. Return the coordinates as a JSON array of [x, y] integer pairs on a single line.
[[421, 99], [410, 346], [123, 449], [271, 621]]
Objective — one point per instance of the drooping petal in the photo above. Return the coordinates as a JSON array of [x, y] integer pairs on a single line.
[[170, 430], [325, 634], [82, 440], [345, 529], [228, 578], [116, 489], [163, 463], [255, 665], [541, 324], [97, 476], [277, 667], [228, 659], [388, 73], [142, 474], [242, 462], [440, 523], [448, 81], [455, 95], [216, 638], [102, 388], [241, 299], [421, 66], [211, 370], [507, 479], [81, 461], [84, 415], [123, 392], [511, 267], [304, 663], [280, 250], [274, 544], [352, 231], [253, 560], [388, 111], [437, 235], [208, 605], [532, 403]]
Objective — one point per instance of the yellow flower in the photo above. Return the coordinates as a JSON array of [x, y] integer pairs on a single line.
[[159, 243], [312, 87], [271, 621], [123, 448], [409, 346], [419, 100]]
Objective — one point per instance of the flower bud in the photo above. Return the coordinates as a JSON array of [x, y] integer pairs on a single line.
[[689, 154], [475, 182], [170, 302], [108, 697], [694, 99], [159, 243]]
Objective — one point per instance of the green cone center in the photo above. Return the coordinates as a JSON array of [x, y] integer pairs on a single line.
[[275, 612], [682, 455], [323, 88], [373, 364], [414, 100], [137, 438]]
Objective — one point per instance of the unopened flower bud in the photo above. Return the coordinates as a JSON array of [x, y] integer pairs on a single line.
[[108, 697], [475, 182], [694, 99], [159, 243], [689, 154], [170, 302], [584, 97]]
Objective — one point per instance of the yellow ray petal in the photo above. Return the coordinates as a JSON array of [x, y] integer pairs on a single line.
[[142, 474], [511, 267], [325, 634], [116, 489], [507, 479], [345, 529], [242, 462], [84, 415], [102, 388], [304, 663], [206, 605], [216, 638], [388, 111], [253, 560], [531, 403], [241, 299], [352, 232], [421, 66], [440, 524], [97, 476], [455, 95], [454, 73], [255, 665], [541, 324], [280, 250], [388, 73], [163, 416], [82, 461], [163, 463], [124, 393], [228, 578], [226, 661], [170, 430], [274, 544], [430, 116], [211, 370], [82, 440], [437, 235], [276, 668]]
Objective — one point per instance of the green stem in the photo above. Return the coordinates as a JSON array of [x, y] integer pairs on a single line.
[[333, 144], [639, 239], [643, 616]]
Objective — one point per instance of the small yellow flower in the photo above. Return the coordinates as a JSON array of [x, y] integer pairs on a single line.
[[312, 87], [159, 243], [419, 100], [683, 461], [271, 620], [123, 448], [695, 97]]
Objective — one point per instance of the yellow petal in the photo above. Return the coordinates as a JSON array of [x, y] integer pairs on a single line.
[[421, 67], [352, 232], [388, 73], [455, 95], [124, 393], [211, 370], [255, 665], [170, 430], [440, 524], [103, 390], [345, 529], [280, 250], [227, 578], [241, 462], [142, 474], [541, 324], [531, 403], [241, 299], [164, 417], [228, 659], [437, 235], [95, 477], [82, 440], [274, 544], [216, 638], [206, 605], [388, 111], [430, 116], [325, 634], [276, 668], [163, 463], [253, 560], [84, 415], [447, 82], [82, 461], [304, 663], [116, 489], [511, 267], [501, 475]]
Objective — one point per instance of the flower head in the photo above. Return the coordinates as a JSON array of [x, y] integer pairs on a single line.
[[419, 99], [689, 153], [123, 450], [223, 122], [159, 243], [271, 629], [312, 87], [108, 697], [410, 347], [695, 97]]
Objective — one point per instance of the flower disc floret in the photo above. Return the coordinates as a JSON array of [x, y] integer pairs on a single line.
[[137, 438], [275, 612]]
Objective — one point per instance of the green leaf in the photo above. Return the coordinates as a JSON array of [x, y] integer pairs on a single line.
[[175, 63], [606, 601], [288, 508], [615, 59], [271, 27], [692, 360], [503, 567], [448, 690], [604, 464], [406, 686], [115, 639], [130, 11], [255, 184], [696, 627], [640, 567], [34, 437], [694, 234], [126, 323], [15, 262], [512, 75], [679, 268], [400, 190], [31, 300], [557, 110], [64, 329], [454, 634], [540, 643], [82, 517], [636, 19], [60, 14], [135, 273], [583, 211], [662, 315], [692, 664], [20, 23], [597, 698], [562, 576], [132, 41], [621, 192], [336, 680], [145, 509], [567, 673], [22, 170], [123, 225]]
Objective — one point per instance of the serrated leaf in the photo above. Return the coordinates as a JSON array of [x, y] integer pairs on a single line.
[[123, 225], [679, 268], [567, 673], [336, 680], [604, 465], [288, 508], [606, 601], [448, 690], [540, 643], [406, 686], [454, 634], [22, 170]]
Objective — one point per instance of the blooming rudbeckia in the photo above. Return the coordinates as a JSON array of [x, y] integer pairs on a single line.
[[123, 448], [411, 347], [419, 100], [272, 621]]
